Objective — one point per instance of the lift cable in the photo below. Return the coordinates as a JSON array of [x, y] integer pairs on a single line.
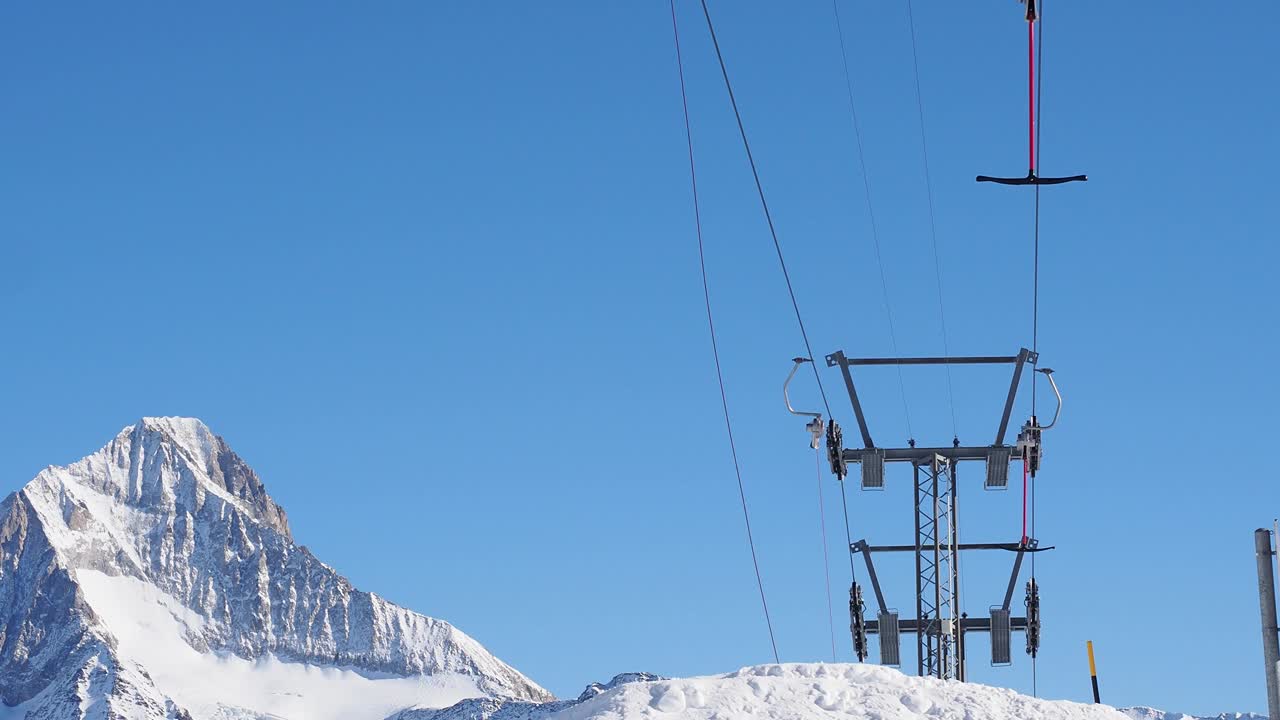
[[1035, 281], [933, 225], [826, 557], [1035, 263], [795, 305], [715, 350], [848, 533], [871, 215], [777, 246]]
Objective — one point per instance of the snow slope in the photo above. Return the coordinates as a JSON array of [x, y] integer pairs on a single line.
[[149, 627], [790, 692], [821, 691], [156, 578]]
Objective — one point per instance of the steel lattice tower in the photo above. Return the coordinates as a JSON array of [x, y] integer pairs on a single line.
[[937, 568]]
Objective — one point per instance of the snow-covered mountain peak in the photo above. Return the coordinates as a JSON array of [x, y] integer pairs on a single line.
[[157, 574], [172, 466], [190, 433]]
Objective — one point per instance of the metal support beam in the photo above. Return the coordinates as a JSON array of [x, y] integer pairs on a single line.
[[981, 624], [954, 524], [979, 360], [1270, 631], [838, 358], [871, 573], [861, 545], [1024, 356], [920, 639], [924, 455], [1013, 577]]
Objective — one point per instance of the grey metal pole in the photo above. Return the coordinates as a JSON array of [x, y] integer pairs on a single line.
[[957, 612], [920, 632], [940, 657], [1270, 632]]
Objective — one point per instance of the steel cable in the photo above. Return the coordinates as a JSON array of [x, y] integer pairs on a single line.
[[715, 348]]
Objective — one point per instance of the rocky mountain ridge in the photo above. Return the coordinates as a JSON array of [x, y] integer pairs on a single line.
[[168, 504]]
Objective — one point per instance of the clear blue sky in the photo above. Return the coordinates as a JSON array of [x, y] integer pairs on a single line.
[[430, 268]]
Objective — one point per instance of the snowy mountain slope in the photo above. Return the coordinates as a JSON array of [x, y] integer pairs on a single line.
[[157, 577], [790, 691], [508, 709], [1146, 713]]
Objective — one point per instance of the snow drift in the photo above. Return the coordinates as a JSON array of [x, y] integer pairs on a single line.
[[790, 691], [821, 691]]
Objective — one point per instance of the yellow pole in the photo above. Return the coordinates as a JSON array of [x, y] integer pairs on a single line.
[[1093, 673]]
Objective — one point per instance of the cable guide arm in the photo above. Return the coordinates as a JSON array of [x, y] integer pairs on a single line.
[[815, 426], [1048, 373]]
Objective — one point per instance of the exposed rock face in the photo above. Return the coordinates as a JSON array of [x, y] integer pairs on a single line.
[[168, 503]]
